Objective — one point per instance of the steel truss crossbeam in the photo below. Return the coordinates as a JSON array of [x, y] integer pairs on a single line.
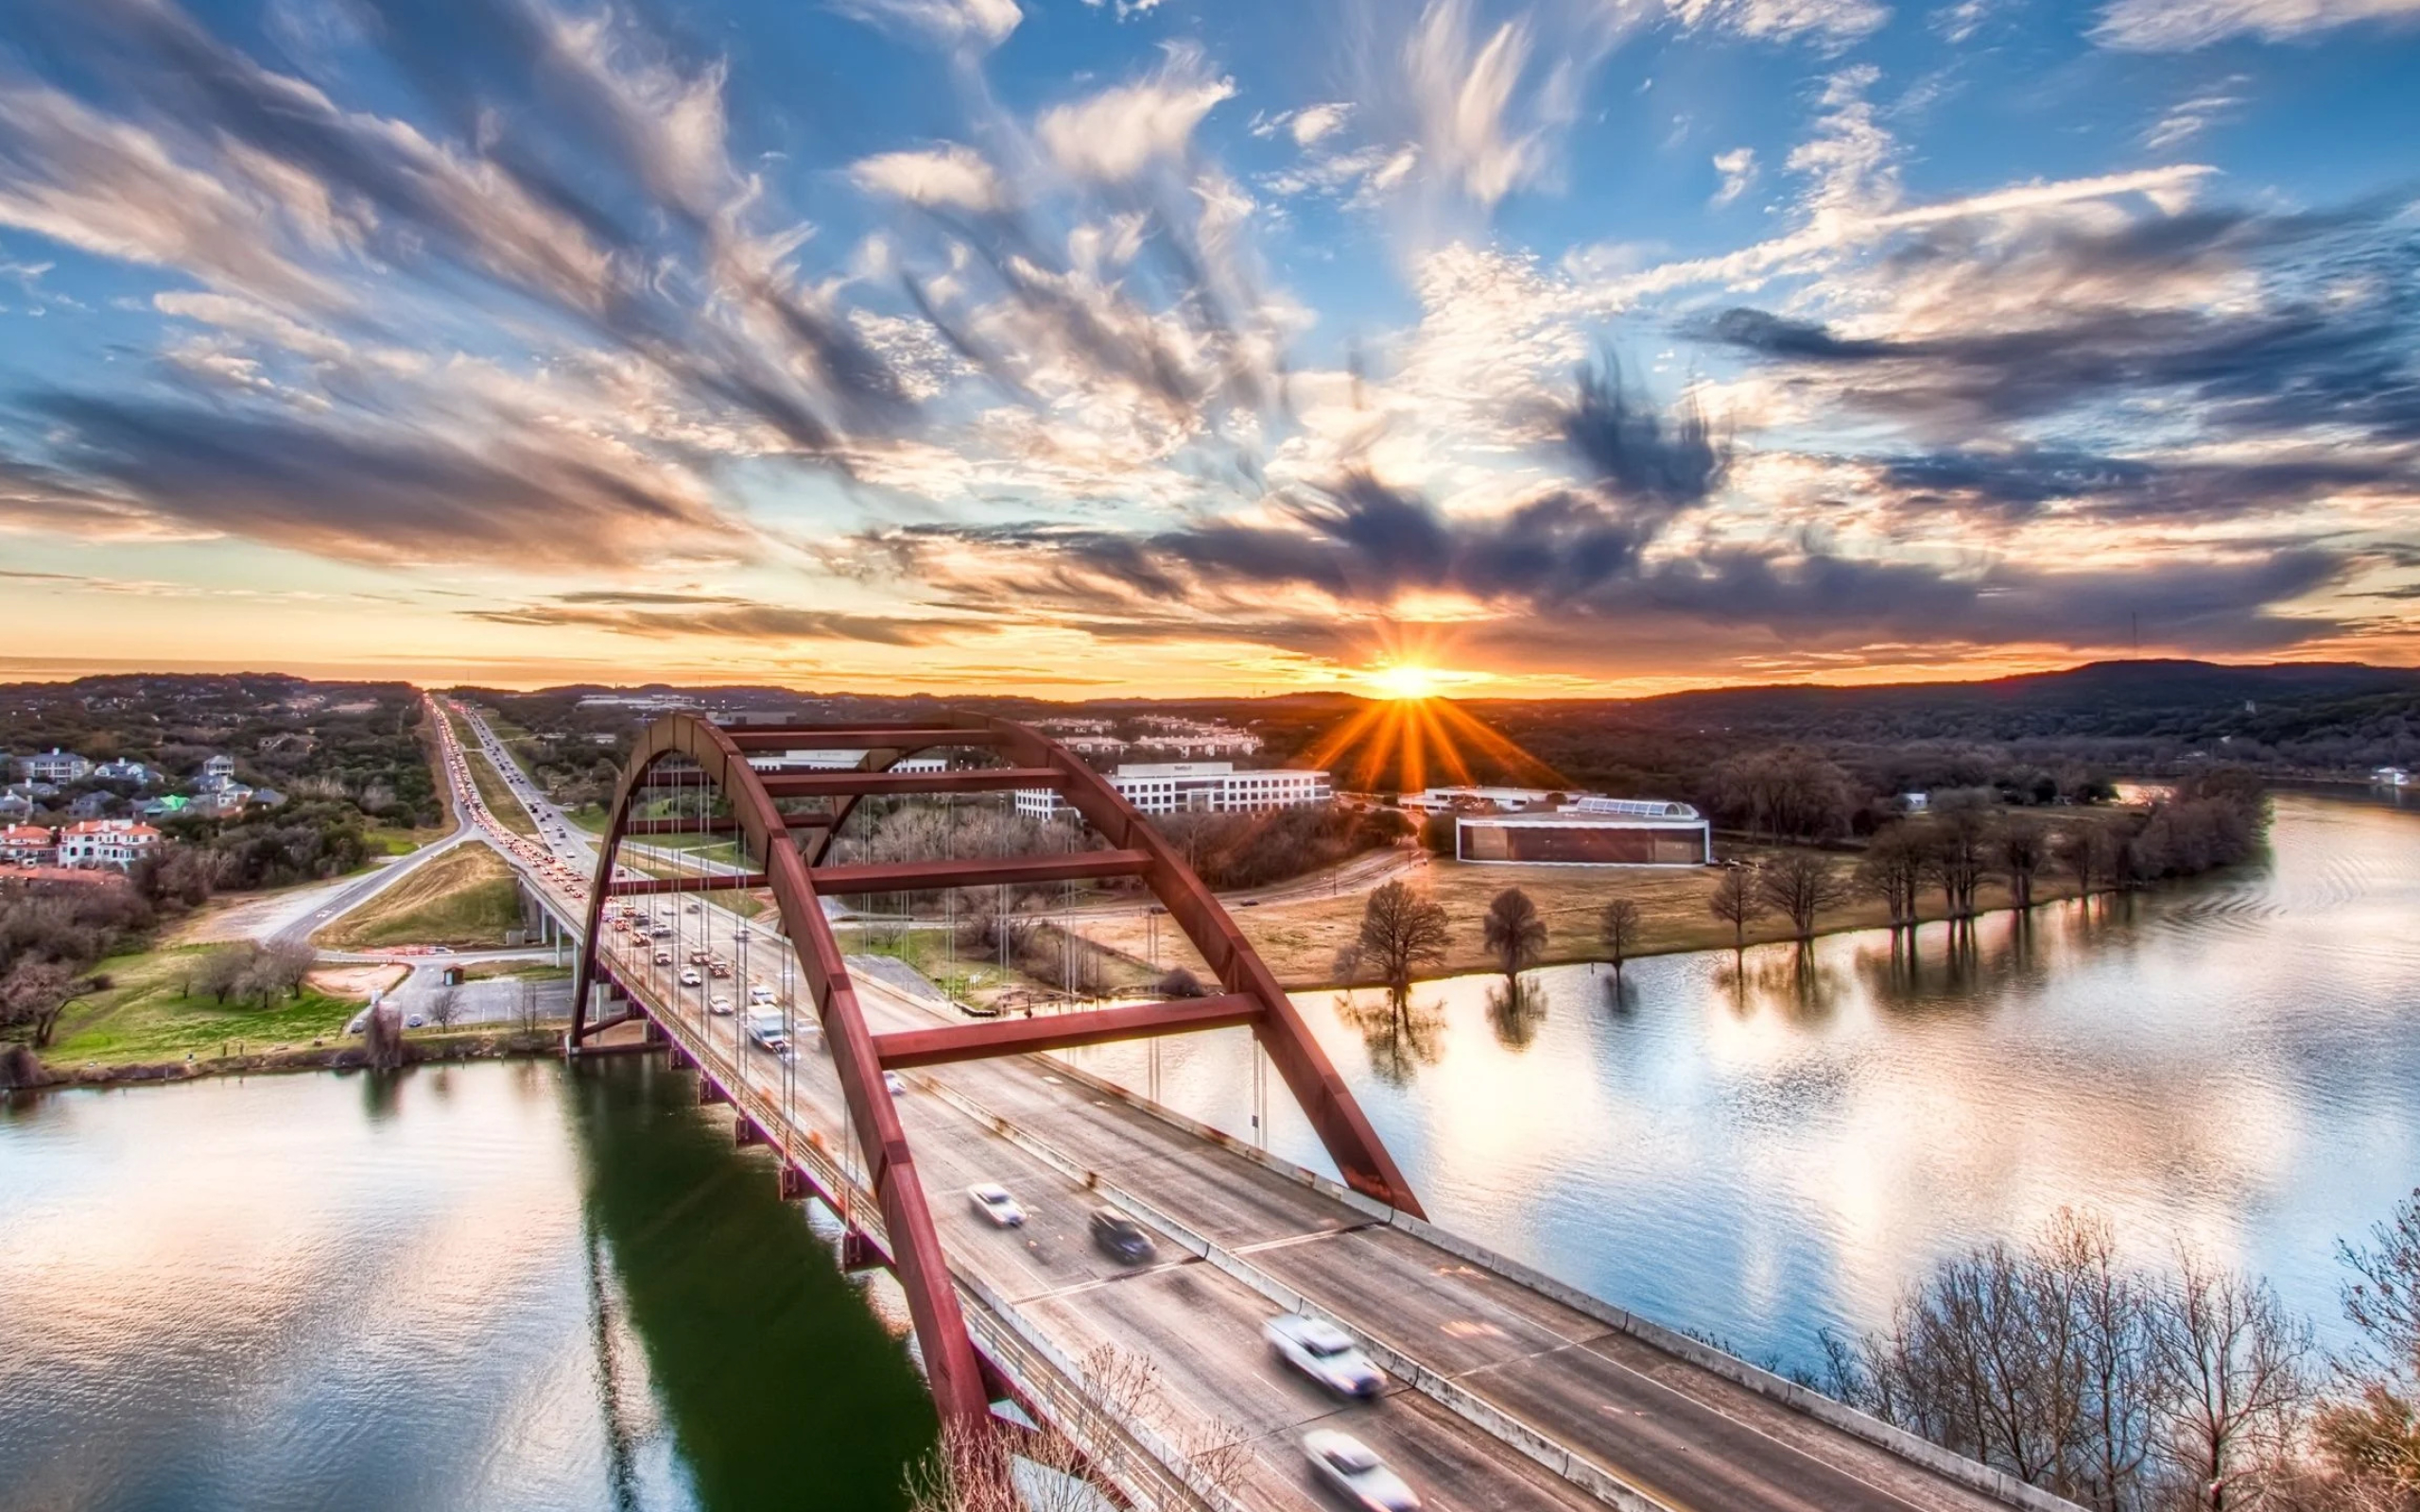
[[1250, 996]]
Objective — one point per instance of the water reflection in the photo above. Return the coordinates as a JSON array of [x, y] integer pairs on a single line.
[[470, 1286], [1400, 1034], [1763, 1144], [1516, 1010]]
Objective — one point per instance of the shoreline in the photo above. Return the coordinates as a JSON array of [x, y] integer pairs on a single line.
[[2045, 895], [512, 1046]]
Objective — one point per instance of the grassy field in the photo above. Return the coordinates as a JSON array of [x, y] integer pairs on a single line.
[[1300, 939], [492, 791], [468, 897], [389, 841], [145, 1017]]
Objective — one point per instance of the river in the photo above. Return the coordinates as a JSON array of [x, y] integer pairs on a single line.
[[515, 1286], [1761, 1149], [492, 1286]]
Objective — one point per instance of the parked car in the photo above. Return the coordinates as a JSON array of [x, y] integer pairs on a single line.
[[1122, 1238], [1324, 1352], [999, 1208], [1349, 1468]]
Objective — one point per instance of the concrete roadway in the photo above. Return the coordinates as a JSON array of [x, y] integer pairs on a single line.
[[1690, 1439], [1215, 1375]]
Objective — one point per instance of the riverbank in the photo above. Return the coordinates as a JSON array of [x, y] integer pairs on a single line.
[[418, 1050], [1301, 938]]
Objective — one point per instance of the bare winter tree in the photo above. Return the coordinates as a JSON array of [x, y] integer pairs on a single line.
[[1618, 929], [1738, 903], [2232, 1373], [1799, 885], [2021, 846], [1402, 931], [445, 1006], [1959, 856], [1514, 933], [1893, 869], [32, 996]]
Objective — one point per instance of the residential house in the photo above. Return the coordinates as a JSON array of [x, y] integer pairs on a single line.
[[91, 805], [169, 806], [115, 843], [54, 766], [216, 773], [27, 844], [124, 771], [15, 806]]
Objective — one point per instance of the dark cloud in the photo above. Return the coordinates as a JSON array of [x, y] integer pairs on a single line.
[[2017, 483], [2049, 324], [1633, 452], [379, 495]]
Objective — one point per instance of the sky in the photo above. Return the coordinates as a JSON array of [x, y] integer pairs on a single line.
[[1180, 347]]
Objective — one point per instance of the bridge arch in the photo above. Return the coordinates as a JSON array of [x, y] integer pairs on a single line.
[[787, 851]]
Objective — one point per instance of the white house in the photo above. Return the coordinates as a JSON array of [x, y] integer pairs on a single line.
[[124, 771], [27, 844], [118, 842], [1211, 787], [217, 772], [54, 766]]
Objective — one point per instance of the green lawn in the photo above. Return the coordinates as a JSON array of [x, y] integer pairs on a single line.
[[145, 1017], [386, 840]]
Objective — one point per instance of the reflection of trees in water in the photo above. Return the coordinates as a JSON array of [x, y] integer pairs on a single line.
[[1516, 1010], [1792, 981], [1401, 1036], [1621, 994], [1942, 966]]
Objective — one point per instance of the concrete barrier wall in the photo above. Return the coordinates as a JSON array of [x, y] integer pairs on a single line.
[[1972, 1474]]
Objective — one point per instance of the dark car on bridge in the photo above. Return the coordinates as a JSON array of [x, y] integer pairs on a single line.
[[1122, 1238]]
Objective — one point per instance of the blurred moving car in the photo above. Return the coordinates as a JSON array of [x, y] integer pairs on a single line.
[[1349, 1468], [689, 977], [719, 1007], [1324, 1352], [1122, 1238], [992, 1201]]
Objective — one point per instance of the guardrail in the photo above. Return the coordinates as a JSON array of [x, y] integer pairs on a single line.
[[1532, 1443], [1152, 1474], [1972, 1474]]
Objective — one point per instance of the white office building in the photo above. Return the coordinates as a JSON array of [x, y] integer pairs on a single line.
[[772, 762], [1199, 787]]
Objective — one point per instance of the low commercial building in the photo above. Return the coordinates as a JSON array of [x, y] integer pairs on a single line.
[[115, 843], [1592, 832], [771, 762], [27, 844], [1496, 799], [1198, 788]]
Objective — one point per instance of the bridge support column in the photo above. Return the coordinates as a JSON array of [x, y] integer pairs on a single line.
[[858, 1253], [744, 1132], [795, 1186], [709, 1095]]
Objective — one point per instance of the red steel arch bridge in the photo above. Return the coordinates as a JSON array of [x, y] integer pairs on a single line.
[[1505, 1389]]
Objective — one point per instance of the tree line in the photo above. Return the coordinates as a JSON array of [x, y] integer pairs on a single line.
[[2128, 1389]]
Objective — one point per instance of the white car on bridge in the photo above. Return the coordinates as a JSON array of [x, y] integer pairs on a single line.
[[1324, 1352], [999, 1208], [1353, 1471]]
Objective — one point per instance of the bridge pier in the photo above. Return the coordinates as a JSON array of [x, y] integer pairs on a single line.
[[744, 1132], [858, 1253], [709, 1093]]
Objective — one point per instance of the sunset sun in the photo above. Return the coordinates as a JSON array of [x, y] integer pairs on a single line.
[[1403, 680]]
